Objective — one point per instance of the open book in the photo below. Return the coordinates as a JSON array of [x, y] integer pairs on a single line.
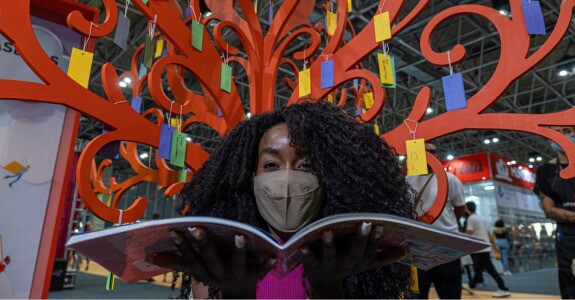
[[122, 249]]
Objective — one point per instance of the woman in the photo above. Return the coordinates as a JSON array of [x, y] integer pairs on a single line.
[[502, 238], [327, 159]]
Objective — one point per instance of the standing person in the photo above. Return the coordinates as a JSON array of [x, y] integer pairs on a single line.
[[482, 260], [280, 171], [502, 239], [446, 277], [557, 200]]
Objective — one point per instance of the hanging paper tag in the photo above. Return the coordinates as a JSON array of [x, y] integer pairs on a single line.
[[368, 99], [137, 104], [166, 135], [122, 31], [164, 52], [149, 52], [111, 149], [414, 280], [386, 72], [188, 11], [358, 112], [80, 66], [327, 71], [392, 86], [197, 35], [331, 19], [349, 6], [329, 98], [142, 71], [454, 92], [416, 160], [382, 27], [178, 154], [356, 84], [182, 174], [533, 17], [110, 282], [376, 129], [271, 13], [174, 122], [226, 78], [219, 112], [159, 48], [304, 83]]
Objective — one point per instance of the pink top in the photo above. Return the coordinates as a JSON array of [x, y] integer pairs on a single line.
[[289, 287]]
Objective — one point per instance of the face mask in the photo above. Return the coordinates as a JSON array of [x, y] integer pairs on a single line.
[[288, 200], [556, 147]]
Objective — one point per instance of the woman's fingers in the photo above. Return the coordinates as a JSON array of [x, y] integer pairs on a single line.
[[239, 256], [371, 248], [167, 260], [329, 251], [208, 253], [357, 248], [390, 255]]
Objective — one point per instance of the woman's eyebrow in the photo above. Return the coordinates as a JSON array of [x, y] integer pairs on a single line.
[[270, 150]]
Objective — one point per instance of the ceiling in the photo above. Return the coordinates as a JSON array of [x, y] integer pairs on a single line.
[[539, 91]]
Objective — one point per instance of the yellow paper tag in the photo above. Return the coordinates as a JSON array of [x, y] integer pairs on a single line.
[[416, 160], [386, 75], [382, 27], [159, 48], [174, 122], [80, 66], [376, 129], [331, 23], [304, 83], [415, 280], [368, 99], [349, 6], [329, 98]]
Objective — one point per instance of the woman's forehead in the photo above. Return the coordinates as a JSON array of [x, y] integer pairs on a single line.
[[275, 137]]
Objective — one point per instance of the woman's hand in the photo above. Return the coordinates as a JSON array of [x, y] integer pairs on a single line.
[[236, 275], [325, 273]]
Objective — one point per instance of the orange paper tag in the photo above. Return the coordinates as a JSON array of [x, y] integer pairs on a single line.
[[304, 83], [80, 66], [416, 160], [382, 27]]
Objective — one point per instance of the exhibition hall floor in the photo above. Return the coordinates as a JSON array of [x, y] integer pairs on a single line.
[[91, 284]]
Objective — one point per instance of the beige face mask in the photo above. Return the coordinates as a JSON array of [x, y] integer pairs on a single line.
[[288, 200]]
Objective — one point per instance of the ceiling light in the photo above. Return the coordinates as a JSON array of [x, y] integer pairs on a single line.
[[495, 140], [513, 162], [487, 142], [450, 157], [123, 84], [248, 115], [563, 73], [531, 159], [489, 188], [401, 157], [530, 166], [127, 79], [520, 167], [429, 110], [508, 163], [144, 155], [189, 139], [539, 158]]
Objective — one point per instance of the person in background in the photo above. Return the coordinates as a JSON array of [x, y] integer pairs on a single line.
[[446, 277], [88, 228], [477, 227], [502, 239], [279, 171], [558, 202]]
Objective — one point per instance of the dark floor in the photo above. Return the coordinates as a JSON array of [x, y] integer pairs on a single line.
[[542, 282]]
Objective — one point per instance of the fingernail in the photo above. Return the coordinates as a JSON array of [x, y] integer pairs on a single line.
[[304, 250], [327, 236], [149, 258], [196, 234], [240, 241], [272, 262], [175, 238], [365, 228], [378, 232]]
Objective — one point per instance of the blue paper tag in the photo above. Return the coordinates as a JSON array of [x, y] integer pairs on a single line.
[[454, 92], [327, 70], [358, 112], [188, 11], [110, 150], [271, 13], [142, 71], [137, 104], [219, 113], [533, 17], [122, 31], [165, 147], [164, 52]]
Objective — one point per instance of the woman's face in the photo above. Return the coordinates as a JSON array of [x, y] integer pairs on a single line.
[[276, 154]]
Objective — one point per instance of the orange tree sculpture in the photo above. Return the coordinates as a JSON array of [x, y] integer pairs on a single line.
[[264, 54]]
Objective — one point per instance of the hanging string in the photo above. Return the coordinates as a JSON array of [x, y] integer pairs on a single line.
[[385, 47], [170, 115], [126, 8], [449, 62], [304, 57], [120, 218], [89, 36], [380, 7], [326, 56], [194, 13], [411, 131], [152, 26], [180, 121]]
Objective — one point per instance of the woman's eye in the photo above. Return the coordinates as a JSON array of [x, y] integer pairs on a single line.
[[304, 165], [270, 165]]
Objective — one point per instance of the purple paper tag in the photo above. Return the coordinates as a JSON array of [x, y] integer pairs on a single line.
[[327, 70], [137, 104], [358, 112], [454, 92], [164, 52], [271, 13], [122, 31], [110, 150], [533, 17], [219, 113], [165, 147], [188, 11]]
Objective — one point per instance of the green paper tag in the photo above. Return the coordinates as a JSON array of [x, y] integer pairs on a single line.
[[110, 282], [226, 78], [149, 52], [197, 35], [182, 174], [178, 155]]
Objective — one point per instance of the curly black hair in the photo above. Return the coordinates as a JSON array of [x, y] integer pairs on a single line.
[[360, 172]]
